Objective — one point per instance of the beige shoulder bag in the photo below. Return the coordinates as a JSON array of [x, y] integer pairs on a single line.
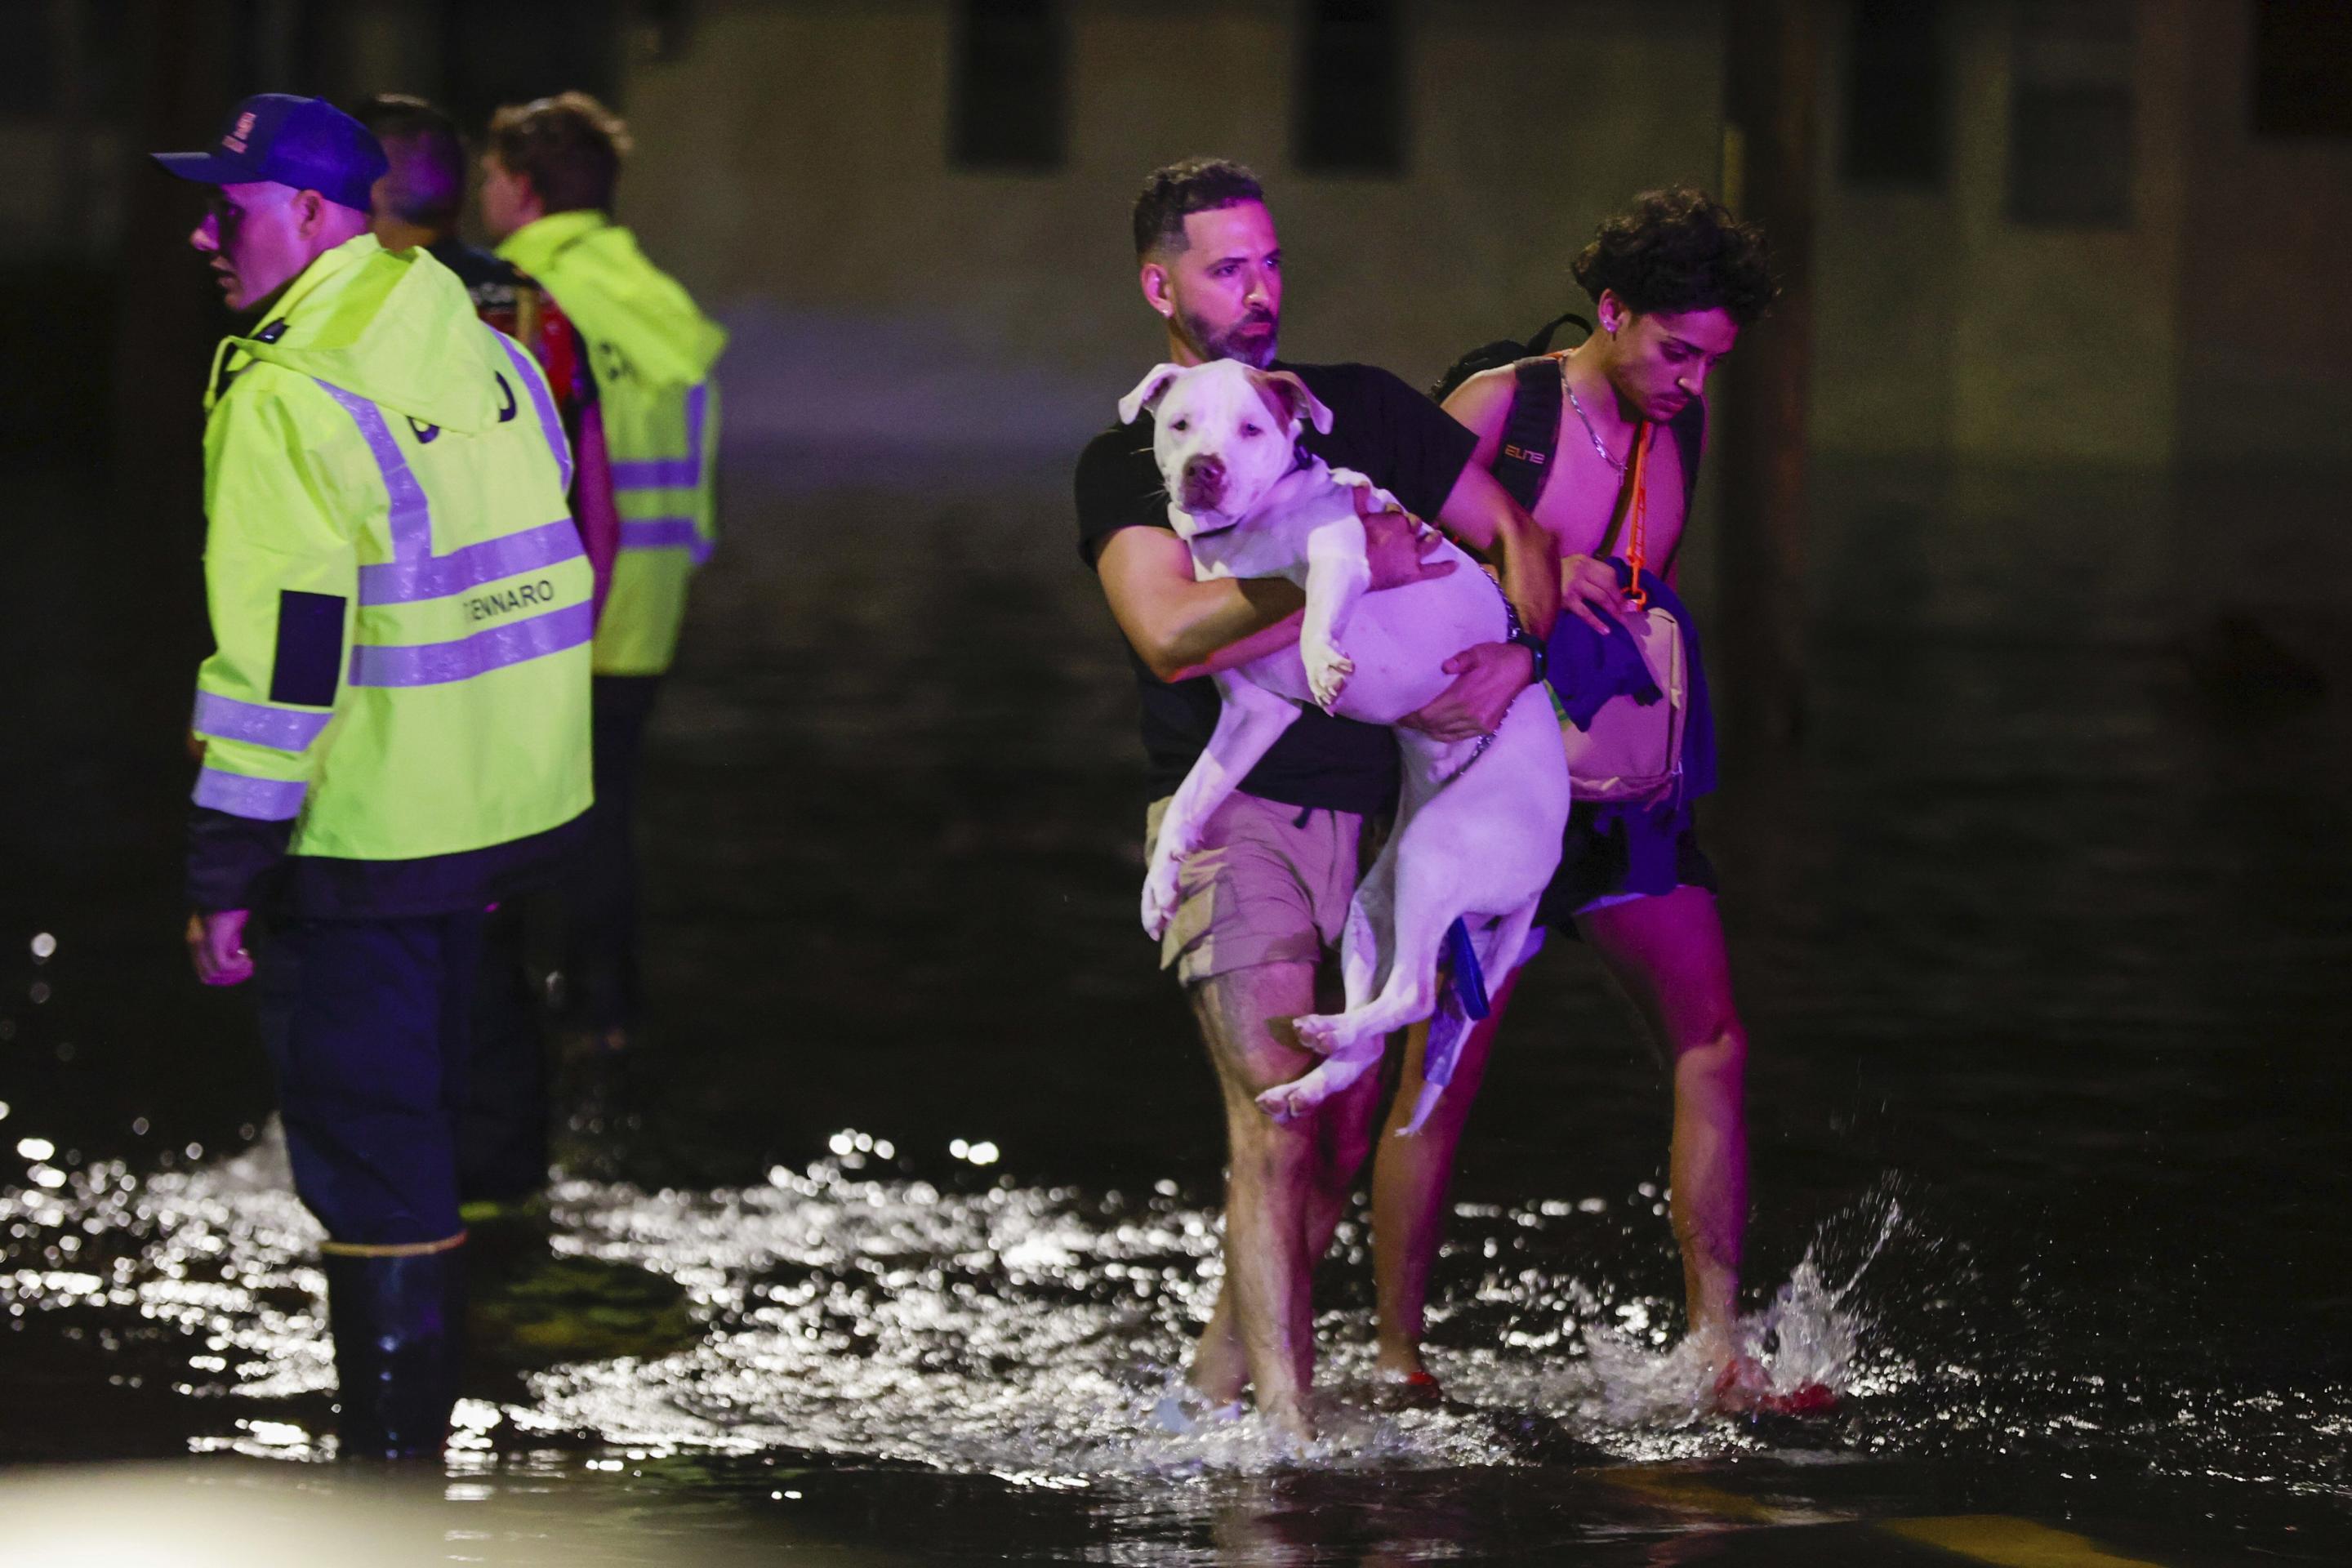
[[1633, 751]]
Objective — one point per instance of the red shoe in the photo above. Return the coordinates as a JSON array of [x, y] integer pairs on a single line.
[[1740, 1388], [1414, 1391]]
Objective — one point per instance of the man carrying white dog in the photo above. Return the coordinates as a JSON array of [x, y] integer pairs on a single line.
[[1263, 901]]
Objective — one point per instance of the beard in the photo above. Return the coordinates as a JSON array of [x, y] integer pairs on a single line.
[[1239, 341]]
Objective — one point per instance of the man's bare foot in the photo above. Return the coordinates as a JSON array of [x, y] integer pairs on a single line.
[[1288, 1417], [1219, 1369]]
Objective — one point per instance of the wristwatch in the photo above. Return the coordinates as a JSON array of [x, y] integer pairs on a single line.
[[1536, 649]]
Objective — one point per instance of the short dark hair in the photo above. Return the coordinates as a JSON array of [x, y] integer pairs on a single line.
[[1680, 249], [427, 157], [571, 147], [1172, 194]]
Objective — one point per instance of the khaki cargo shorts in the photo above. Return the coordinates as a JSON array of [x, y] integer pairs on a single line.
[[1269, 884]]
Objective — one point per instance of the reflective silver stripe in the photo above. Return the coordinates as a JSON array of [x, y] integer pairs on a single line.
[[263, 800], [658, 474], [548, 422], [672, 473], [227, 718], [412, 515], [436, 664], [664, 534], [438, 577]]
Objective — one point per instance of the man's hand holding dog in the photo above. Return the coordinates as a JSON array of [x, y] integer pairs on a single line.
[[1398, 549], [1492, 675]]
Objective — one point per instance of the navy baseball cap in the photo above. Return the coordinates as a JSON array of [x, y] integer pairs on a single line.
[[305, 143]]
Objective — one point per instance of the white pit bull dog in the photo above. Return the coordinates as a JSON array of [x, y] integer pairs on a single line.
[[1475, 843]]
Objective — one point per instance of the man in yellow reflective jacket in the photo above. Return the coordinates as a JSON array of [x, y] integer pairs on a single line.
[[396, 717], [644, 414]]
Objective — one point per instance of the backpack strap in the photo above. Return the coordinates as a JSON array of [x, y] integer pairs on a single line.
[[1541, 342], [1531, 432]]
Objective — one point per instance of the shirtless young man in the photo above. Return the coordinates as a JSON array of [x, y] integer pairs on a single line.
[[1673, 280], [1264, 900]]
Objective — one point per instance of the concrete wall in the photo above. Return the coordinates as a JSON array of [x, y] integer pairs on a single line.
[[1947, 330], [792, 168], [875, 289], [2265, 278], [2065, 343], [2216, 328]]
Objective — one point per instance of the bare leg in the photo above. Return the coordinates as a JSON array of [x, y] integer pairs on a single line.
[[1282, 1200], [1220, 1367], [1668, 955], [1412, 1178]]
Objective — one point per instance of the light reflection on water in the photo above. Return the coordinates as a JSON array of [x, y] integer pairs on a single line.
[[1033, 1334]]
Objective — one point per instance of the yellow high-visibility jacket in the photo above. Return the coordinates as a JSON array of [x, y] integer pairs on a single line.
[[400, 603], [650, 349]]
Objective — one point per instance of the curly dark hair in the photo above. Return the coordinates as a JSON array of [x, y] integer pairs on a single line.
[[1172, 194], [1680, 249]]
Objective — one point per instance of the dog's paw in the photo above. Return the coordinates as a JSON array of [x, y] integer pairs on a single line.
[[1288, 1101], [1422, 1106], [1327, 670], [1318, 1031], [1369, 497], [1285, 1103], [1160, 894]]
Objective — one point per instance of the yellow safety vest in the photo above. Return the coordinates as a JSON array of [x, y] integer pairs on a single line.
[[651, 350], [400, 603]]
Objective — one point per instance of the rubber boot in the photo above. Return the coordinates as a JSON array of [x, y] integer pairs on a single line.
[[398, 1325]]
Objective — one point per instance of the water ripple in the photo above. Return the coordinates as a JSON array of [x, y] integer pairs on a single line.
[[1035, 1335]]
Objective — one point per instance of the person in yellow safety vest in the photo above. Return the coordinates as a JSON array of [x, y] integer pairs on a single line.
[[394, 720], [644, 413]]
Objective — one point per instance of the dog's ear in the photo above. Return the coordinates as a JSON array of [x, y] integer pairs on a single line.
[[1148, 391], [1292, 398]]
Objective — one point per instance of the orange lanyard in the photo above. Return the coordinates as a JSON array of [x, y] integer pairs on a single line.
[[1638, 514]]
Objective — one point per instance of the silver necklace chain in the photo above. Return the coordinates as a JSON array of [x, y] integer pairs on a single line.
[[1587, 420]]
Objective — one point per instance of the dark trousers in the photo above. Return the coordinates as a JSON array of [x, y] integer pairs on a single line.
[[600, 959], [409, 1065], [369, 1025], [502, 1123]]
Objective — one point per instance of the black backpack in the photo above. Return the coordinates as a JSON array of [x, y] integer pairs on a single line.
[[1502, 352], [1528, 433], [1535, 412]]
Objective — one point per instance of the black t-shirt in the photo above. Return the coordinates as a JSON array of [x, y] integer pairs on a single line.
[[1380, 427]]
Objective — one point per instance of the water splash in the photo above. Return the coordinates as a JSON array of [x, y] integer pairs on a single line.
[[1810, 1335], [1033, 1333]]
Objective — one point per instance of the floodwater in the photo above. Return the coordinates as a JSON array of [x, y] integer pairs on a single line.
[[2042, 937]]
